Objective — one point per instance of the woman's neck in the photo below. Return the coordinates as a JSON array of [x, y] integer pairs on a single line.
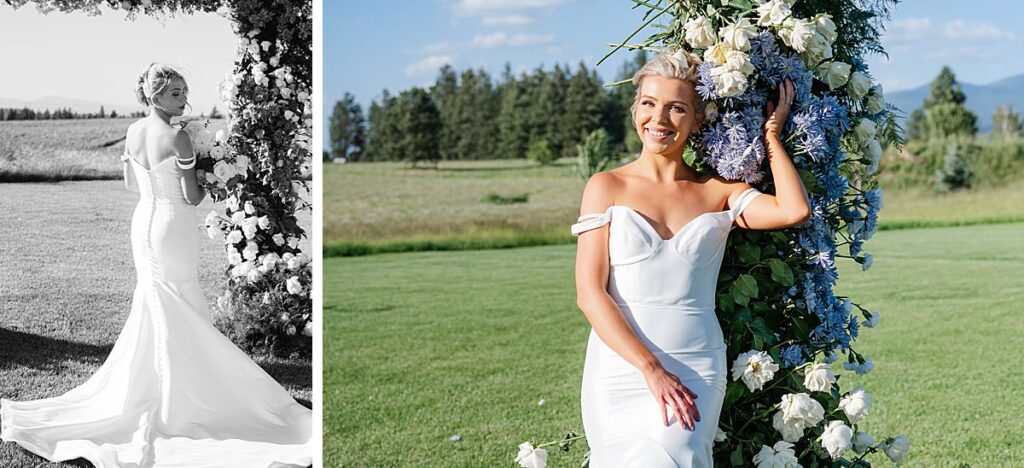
[[665, 167], [156, 112]]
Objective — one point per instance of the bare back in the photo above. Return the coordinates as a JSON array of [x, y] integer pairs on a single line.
[[150, 142]]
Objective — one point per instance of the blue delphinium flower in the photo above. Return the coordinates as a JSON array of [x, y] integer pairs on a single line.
[[705, 85], [792, 356], [734, 145]]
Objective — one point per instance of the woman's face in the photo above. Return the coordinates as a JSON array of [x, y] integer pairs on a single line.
[[665, 114], [174, 97]]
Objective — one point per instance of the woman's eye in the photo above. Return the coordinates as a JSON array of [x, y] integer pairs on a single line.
[[677, 109]]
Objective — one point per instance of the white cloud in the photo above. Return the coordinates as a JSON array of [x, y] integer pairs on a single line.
[[960, 29], [500, 39], [437, 48], [428, 65], [482, 7], [506, 20]]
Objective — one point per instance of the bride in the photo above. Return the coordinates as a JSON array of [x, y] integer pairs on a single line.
[[655, 370], [174, 392]]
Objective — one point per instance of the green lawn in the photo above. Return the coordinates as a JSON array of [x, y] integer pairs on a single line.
[[66, 282], [373, 207], [422, 346]]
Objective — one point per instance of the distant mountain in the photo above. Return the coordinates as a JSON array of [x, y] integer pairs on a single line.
[[981, 99], [76, 105]]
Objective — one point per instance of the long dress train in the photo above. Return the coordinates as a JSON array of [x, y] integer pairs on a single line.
[[666, 290], [174, 392]]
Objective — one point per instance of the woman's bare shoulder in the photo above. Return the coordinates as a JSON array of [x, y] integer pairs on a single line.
[[600, 191]]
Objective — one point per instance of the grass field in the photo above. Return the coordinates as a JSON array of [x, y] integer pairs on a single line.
[[423, 346], [381, 207], [66, 282]]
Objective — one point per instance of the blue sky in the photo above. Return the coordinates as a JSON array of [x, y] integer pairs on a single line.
[[367, 47], [97, 58]]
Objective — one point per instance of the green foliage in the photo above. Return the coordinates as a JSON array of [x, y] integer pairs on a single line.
[[1006, 123], [347, 128], [419, 127], [264, 318], [944, 113], [594, 154], [497, 199], [993, 161], [955, 173], [540, 151]]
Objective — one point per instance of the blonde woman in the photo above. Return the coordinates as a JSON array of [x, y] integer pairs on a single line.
[[651, 239], [174, 392]]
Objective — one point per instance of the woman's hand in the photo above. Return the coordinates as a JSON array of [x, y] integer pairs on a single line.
[[668, 390], [777, 114]]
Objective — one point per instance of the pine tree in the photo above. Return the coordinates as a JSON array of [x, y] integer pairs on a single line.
[[444, 92], [1006, 122], [583, 105], [513, 130], [946, 113], [347, 128], [419, 126]]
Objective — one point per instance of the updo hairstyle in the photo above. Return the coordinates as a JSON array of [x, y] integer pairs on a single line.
[[682, 65], [153, 79]]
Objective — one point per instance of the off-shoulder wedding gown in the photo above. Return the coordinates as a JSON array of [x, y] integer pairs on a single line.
[[174, 392], [666, 290]]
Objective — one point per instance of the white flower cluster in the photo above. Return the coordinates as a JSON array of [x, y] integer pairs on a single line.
[[755, 368], [727, 50]]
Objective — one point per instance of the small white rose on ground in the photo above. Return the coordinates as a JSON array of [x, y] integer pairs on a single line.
[[529, 457], [897, 449], [773, 13], [293, 285], [856, 404], [755, 368], [251, 250], [859, 85], [278, 239], [837, 438], [800, 408], [819, 378], [541, 402], [738, 34], [235, 236], [781, 455], [862, 441], [699, 32], [791, 432], [871, 322], [834, 74], [308, 329], [875, 102], [455, 438]]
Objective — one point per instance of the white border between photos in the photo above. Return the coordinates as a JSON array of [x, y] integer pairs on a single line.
[[317, 236]]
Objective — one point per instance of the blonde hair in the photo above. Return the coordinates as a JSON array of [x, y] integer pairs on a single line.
[[153, 79], [682, 65]]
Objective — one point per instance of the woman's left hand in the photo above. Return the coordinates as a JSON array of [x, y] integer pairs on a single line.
[[777, 114]]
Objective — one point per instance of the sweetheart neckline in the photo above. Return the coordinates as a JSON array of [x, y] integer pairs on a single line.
[[152, 168], [654, 231]]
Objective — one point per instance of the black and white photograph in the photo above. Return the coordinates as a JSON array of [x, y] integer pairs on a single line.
[[156, 282]]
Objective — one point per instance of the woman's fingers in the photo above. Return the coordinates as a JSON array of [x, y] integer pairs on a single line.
[[662, 403]]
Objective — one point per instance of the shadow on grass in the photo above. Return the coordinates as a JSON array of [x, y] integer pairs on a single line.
[[46, 353], [56, 176], [293, 374]]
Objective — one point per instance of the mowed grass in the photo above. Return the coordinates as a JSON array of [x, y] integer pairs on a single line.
[[422, 346], [66, 283], [391, 207]]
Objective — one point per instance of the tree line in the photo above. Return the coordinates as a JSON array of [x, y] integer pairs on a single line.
[[469, 115], [26, 113]]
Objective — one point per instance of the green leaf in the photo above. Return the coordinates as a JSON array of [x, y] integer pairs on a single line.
[[741, 4], [758, 342], [733, 391], [689, 155], [737, 457], [781, 272], [738, 296], [749, 253], [810, 182], [747, 285]]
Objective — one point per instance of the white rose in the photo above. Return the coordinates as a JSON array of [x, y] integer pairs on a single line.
[[834, 74], [738, 34], [223, 170], [790, 432], [249, 227], [819, 378], [234, 258], [212, 218], [727, 82], [871, 322], [779, 456], [263, 222], [865, 130], [293, 285], [293, 242], [860, 369], [254, 275], [269, 261], [865, 266], [862, 441], [308, 329], [218, 152], [278, 239], [875, 102], [897, 449], [739, 61], [290, 330], [210, 178], [873, 150], [837, 438], [816, 50], [773, 13], [720, 436], [238, 217], [859, 85], [213, 232], [294, 263], [251, 250], [232, 203], [234, 237], [699, 32], [242, 269], [221, 136], [856, 404], [717, 53], [755, 368], [303, 96], [250, 208], [824, 26], [303, 258], [242, 163], [797, 33], [287, 257], [800, 408], [529, 457]]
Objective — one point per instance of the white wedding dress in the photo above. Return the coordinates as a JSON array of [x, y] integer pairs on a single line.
[[174, 392], [666, 290]]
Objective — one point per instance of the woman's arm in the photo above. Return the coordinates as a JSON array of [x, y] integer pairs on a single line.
[[604, 315], [130, 183], [194, 194], [788, 207]]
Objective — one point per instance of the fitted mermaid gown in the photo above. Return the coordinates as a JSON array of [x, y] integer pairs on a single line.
[[174, 392], [666, 290]]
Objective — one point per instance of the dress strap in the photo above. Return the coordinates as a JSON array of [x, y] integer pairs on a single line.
[[125, 155], [742, 201], [590, 221]]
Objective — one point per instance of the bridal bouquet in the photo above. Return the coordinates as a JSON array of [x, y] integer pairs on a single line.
[[785, 324], [216, 170]]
